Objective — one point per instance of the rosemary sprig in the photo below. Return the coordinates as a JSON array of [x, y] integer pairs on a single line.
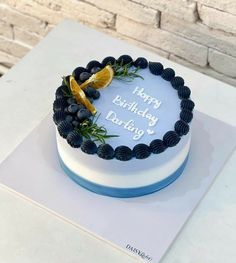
[[89, 129], [68, 92], [125, 72]]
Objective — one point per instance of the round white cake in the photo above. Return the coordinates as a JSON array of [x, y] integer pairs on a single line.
[[146, 119]]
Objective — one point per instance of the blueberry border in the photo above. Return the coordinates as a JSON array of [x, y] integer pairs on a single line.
[[140, 151]]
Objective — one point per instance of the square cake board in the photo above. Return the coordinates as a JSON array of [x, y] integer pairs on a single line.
[[145, 226]]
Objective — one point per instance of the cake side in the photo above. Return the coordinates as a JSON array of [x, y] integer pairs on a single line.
[[132, 174]]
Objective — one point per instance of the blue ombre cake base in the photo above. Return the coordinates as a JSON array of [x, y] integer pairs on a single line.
[[123, 192]]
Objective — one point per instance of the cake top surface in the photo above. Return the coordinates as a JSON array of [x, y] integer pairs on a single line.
[[123, 108], [138, 111]]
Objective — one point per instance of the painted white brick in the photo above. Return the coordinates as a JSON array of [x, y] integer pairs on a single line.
[[13, 47], [184, 9], [88, 13], [26, 37], [5, 29], [3, 69], [136, 42], [26, 22], [200, 34], [129, 9], [53, 13], [169, 42], [49, 27], [217, 19], [224, 5], [206, 70], [7, 59], [144, 46], [222, 63]]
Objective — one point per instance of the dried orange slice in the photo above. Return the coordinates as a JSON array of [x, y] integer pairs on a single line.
[[101, 79], [80, 96]]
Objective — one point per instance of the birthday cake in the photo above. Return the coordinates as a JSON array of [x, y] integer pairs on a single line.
[[123, 126]]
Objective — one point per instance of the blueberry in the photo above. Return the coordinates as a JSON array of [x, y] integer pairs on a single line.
[[96, 95], [92, 64], [81, 106], [73, 108], [83, 114], [89, 91], [75, 123], [95, 70], [69, 118], [84, 76], [78, 71], [71, 101]]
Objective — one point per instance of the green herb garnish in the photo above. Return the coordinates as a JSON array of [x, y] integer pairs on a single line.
[[68, 92], [90, 130], [125, 72]]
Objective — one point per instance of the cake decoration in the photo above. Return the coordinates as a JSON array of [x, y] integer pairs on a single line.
[[93, 64], [156, 68], [123, 126], [123, 153], [177, 82], [59, 116], [141, 151], [171, 139], [157, 146], [84, 76], [105, 151], [187, 104], [59, 93], [181, 127], [108, 61], [74, 139], [168, 74], [140, 63], [76, 73], [124, 60], [76, 116], [184, 92], [186, 115], [59, 104], [89, 147], [64, 127]]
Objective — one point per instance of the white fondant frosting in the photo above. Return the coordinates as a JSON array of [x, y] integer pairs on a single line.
[[131, 174]]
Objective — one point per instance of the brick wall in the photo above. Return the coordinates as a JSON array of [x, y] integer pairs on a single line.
[[200, 34]]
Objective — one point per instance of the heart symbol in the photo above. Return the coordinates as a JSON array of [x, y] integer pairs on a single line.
[[150, 132]]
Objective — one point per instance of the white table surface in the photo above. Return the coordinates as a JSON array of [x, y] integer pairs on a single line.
[[30, 234]]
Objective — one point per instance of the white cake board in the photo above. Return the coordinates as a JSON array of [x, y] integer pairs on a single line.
[[149, 223]]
